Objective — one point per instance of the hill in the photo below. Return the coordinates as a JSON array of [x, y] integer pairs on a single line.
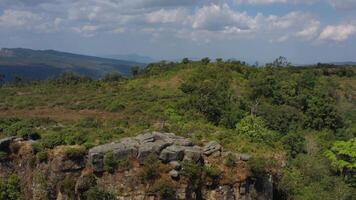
[[294, 126], [44, 64], [132, 57]]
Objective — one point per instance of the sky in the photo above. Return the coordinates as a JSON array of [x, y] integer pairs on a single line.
[[304, 31]]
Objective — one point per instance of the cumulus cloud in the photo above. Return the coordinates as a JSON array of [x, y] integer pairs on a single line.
[[337, 33], [310, 31], [18, 19], [167, 16], [87, 30], [343, 4], [220, 17]]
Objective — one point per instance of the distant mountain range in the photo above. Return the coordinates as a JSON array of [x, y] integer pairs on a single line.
[[44, 64], [133, 57]]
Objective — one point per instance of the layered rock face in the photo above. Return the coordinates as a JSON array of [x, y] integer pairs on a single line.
[[218, 179]]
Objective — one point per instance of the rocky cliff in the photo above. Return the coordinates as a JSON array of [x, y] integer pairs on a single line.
[[149, 166]]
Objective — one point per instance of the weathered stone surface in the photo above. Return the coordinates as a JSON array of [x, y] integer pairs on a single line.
[[245, 157], [126, 149], [183, 142], [151, 148], [175, 165], [174, 173], [172, 153], [145, 138], [5, 142], [211, 147], [63, 164], [193, 153]]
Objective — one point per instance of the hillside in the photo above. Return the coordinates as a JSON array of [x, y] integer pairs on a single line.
[[295, 127], [44, 64]]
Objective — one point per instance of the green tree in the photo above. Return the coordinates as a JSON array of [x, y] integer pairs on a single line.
[[209, 92], [205, 60], [255, 129], [135, 70], [280, 62], [342, 155], [185, 61]]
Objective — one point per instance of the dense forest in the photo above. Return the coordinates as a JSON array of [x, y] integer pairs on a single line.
[[297, 123]]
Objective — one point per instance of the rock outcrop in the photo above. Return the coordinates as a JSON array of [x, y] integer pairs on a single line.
[[167, 146], [216, 179]]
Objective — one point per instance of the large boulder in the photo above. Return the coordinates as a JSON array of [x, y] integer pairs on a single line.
[[172, 153], [125, 149], [148, 148], [193, 154], [211, 148]]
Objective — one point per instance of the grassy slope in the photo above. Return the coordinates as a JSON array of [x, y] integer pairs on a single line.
[[128, 108]]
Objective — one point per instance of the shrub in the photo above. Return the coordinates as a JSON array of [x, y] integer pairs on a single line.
[[165, 189], [209, 92], [42, 156], [89, 122], [254, 128], [113, 77], [10, 189], [115, 106], [192, 172], [294, 143], [67, 187], [28, 133], [96, 193], [110, 163], [75, 153], [213, 172], [52, 140], [77, 138], [150, 170], [230, 160]]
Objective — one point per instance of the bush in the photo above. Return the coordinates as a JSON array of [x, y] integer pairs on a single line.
[[294, 143], [115, 106], [96, 193], [77, 138], [75, 153], [193, 173], [28, 133], [42, 156], [230, 160], [213, 172], [209, 92], [166, 189], [254, 128], [10, 189], [52, 140], [67, 187], [110, 163], [150, 170]]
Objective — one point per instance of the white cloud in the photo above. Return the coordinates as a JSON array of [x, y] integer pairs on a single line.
[[167, 16], [310, 31], [343, 4], [338, 33], [87, 30], [18, 19], [221, 17]]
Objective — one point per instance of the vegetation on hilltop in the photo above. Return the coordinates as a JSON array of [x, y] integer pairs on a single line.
[[297, 123]]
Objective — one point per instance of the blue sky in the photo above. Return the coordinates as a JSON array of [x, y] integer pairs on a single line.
[[304, 31]]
